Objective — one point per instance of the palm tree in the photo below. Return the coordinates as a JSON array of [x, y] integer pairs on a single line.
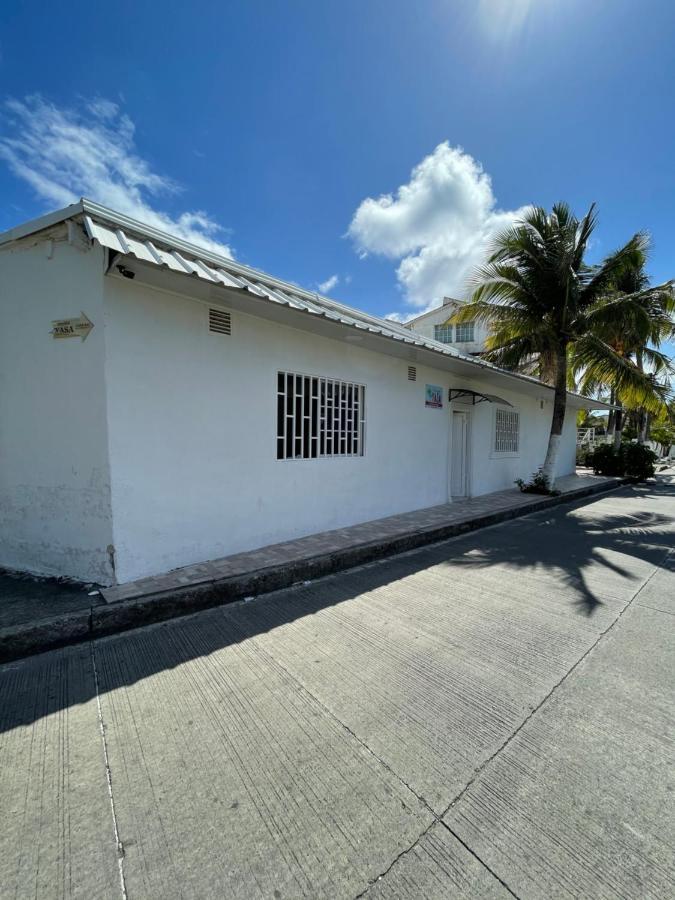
[[634, 337], [540, 299]]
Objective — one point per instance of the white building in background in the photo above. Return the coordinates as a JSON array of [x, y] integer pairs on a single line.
[[161, 405], [469, 337]]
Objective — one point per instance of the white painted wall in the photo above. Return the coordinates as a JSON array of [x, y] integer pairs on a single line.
[[490, 471], [55, 515], [158, 439], [193, 435], [192, 425]]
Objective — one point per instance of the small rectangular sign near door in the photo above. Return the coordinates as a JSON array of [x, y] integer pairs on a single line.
[[433, 396]]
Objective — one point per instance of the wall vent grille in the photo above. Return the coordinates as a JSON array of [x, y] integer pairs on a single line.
[[220, 321], [412, 373]]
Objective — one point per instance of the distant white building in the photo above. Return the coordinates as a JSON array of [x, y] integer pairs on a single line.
[[469, 337], [161, 405]]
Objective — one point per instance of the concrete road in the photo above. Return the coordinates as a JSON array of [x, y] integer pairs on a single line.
[[490, 717]]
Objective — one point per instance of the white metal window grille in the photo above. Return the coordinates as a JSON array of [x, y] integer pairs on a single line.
[[443, 333], [319, 417], [507, 431], [464, 332], [412, 373], [220, 321]]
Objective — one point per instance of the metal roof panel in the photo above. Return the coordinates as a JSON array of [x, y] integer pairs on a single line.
[[119, 232]]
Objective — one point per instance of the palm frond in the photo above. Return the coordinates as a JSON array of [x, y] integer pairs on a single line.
[[584, 231], [539, 297], [659, 363], [499, 281], [639, 317], [603, 364], [511, 354], [601, 279], [625, 314]]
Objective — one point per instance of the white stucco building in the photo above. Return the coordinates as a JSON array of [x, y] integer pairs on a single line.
[[469, 337], [161, 405]]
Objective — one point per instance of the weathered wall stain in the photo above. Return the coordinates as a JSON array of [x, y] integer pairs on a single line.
[[55, 509]]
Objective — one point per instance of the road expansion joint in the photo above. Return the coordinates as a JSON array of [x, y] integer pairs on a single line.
[[479, 771], [119, 847], [481, 861], [436, 819]]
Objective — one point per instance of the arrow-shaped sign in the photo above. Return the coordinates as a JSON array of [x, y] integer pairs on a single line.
[[68, 328]]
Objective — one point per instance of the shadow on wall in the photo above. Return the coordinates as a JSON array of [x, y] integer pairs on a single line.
[[579, 545]]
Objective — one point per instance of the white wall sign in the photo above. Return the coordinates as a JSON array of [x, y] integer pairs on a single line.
[[68, 328]]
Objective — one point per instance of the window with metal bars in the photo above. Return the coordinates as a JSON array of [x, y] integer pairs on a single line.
[[507, 431], [464, 332], [319, 417]]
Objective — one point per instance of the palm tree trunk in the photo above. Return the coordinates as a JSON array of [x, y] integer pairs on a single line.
[[611, 418], [558, 420], [618, 428], [547, 368], [642, 413]]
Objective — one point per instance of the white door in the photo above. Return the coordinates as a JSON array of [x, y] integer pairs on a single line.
[[459, 456]]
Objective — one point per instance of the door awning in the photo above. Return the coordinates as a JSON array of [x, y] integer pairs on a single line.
[[475, 397]]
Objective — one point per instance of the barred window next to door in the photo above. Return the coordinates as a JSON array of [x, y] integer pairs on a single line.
[[319, 417], [507, 431]]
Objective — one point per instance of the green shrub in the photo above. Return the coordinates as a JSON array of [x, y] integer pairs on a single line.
[[605, 460], [634, 461], [536, 486], [638, 461], [582, 456]]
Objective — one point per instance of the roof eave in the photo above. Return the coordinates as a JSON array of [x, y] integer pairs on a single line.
[[581, 402], [422, 344], [42, 222], [89, 207]]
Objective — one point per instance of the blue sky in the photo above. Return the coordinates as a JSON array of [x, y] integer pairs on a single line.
[[376, 144]]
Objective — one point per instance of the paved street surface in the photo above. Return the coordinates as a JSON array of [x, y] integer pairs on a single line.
[[489, 717]]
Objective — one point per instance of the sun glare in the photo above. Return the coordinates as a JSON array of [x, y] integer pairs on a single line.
[[503, 19]]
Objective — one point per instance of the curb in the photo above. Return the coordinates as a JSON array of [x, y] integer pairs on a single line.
[[106, 619]]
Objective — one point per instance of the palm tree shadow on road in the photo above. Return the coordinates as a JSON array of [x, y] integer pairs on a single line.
[[580, 543], [577, 543]]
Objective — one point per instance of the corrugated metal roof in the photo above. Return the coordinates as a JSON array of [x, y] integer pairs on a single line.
[[129, 237], [233, 275]]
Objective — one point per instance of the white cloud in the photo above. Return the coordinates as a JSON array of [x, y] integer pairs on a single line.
[[401, 317], [438, 225], [325, 287], [65, 154], [103, 109]]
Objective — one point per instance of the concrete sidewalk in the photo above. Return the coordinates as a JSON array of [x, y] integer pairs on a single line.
[[490, 717], [41, 615]]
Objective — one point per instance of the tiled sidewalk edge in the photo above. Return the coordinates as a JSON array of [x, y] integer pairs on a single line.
[[47, 634]]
